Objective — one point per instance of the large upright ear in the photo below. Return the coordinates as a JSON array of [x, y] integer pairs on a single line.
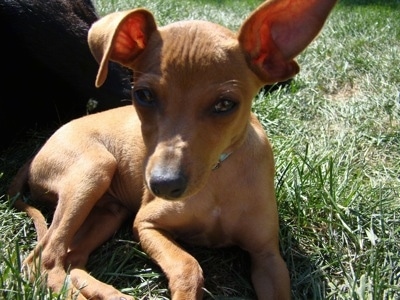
[[120, 37], [277, 31]]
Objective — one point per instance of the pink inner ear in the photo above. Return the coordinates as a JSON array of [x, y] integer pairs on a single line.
[[130, 39], [266, 57], [279, 30]]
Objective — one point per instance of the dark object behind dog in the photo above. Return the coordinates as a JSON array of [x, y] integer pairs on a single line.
[[47, 70]]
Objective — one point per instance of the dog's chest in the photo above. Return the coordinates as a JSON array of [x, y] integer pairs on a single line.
[[209, 227]]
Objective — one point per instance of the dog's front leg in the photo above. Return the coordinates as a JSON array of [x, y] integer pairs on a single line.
[[184, 273], [270, 276]]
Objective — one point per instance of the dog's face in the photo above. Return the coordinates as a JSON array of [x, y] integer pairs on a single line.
[[194, 81], [192, 91]]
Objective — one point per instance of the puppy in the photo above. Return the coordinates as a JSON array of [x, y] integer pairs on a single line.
[[189, 161]]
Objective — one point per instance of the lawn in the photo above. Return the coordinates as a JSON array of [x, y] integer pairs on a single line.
[[335, 132]]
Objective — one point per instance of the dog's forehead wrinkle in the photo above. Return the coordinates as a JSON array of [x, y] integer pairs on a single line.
[[194, 27], [213, 44]]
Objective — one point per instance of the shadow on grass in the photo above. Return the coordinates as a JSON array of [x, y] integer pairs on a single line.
[[306, 277]]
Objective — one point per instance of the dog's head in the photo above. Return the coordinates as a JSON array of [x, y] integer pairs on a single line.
[[194, 81]]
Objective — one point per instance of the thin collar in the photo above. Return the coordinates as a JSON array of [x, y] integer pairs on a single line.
[[222, 157]]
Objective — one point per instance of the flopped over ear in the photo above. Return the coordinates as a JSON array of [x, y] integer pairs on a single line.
[[277, 31], [119, 37]]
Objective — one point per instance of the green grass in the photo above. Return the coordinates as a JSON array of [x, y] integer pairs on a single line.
[[336, 137]]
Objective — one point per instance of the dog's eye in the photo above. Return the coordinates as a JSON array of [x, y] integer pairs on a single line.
[[144, 97], [224, 105]]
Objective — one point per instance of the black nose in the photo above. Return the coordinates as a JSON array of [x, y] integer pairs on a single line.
[[168, 185]]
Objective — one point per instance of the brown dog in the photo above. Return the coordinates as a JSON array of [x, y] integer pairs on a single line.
[[188, 158]]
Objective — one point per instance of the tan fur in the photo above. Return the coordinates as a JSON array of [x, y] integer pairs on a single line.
[[159, 160]]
